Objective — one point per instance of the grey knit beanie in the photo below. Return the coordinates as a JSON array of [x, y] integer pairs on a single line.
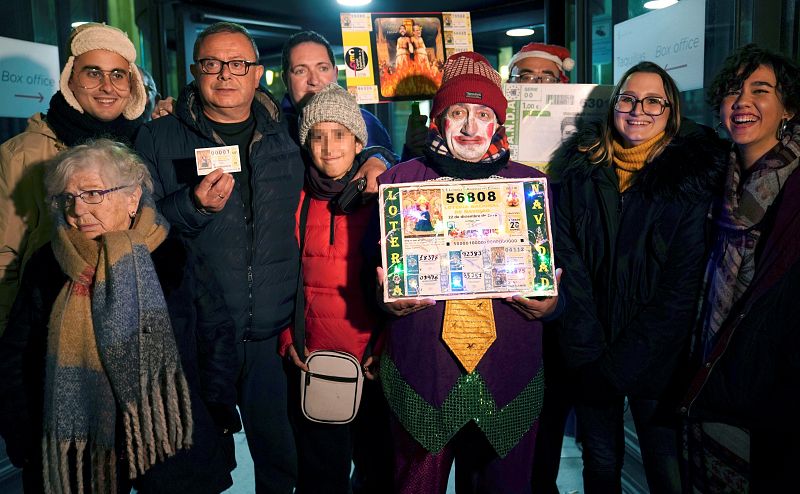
[[333, 104]]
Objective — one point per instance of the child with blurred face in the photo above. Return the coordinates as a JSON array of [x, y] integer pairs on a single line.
[[337, 308], [333, 131], [332, 148]]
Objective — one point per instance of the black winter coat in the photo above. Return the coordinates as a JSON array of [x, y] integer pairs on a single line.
[[205, 340], [633, 263], [255, 255]]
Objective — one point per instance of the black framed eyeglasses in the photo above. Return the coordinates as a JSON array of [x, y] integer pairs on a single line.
[[529, 78], [66, 200], [651, 105], [91, 78], [213, 66]]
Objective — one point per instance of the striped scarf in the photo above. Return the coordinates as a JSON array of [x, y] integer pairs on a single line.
[[111, 355], [732, 265], [497, 148], [441, 158]]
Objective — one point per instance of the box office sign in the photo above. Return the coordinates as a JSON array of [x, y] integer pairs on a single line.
[[29, 74]]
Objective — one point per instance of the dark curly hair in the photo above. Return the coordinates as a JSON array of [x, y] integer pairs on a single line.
[[746, 60]]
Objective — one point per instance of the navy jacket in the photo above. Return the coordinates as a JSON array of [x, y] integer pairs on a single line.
[[255, 259]]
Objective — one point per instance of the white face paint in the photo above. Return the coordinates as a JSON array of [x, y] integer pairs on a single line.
[[468, 130]]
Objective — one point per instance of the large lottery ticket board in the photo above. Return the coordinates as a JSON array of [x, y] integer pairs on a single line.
[[467, 239]]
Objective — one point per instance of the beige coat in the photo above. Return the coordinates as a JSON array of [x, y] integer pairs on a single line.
[[25, 222]]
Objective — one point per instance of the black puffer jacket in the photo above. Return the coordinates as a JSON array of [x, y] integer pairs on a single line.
[[633, 263], [204, 335], [256, 259]]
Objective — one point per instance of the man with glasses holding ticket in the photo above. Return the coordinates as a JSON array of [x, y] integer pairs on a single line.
[[242, 223], [100, 94]]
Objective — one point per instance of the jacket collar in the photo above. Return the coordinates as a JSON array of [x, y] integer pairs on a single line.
[[692, 166], [189, 109]]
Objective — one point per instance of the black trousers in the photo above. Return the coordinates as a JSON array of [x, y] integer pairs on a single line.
[[602, 433], [326, 452], [264, 409]]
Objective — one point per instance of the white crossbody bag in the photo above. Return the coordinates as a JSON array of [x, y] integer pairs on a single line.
[[330, 392]]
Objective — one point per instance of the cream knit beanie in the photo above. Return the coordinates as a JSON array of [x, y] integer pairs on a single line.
[[333, 104], [94, 36]]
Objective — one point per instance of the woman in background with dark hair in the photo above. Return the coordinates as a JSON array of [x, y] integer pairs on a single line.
[[743, 403], [631, 220]]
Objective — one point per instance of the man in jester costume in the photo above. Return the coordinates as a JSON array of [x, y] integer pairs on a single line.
[[464, 378]]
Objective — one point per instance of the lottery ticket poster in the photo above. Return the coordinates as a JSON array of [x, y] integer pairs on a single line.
[[399, 56], [542, 117], [467, 239]]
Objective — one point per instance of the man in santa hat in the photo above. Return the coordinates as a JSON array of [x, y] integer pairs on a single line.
[[539, 63]]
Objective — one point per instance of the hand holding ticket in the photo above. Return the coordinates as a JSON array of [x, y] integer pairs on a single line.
[[213, 191], [224, 157]]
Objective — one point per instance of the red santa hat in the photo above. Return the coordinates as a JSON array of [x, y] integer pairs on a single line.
[[556, 54], [469, 78]]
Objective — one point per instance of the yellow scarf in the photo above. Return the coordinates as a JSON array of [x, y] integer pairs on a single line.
[[629, 161]]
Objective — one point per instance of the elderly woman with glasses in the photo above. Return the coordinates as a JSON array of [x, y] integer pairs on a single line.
[[118, 363], [631, 219], [100, 94]]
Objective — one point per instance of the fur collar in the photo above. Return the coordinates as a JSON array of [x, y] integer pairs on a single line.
[[692, 166]]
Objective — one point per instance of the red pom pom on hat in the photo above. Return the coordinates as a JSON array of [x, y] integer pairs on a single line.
[[470, 78]]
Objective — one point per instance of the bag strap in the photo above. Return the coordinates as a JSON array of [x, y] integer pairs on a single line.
[[327, 377], [299, 327]]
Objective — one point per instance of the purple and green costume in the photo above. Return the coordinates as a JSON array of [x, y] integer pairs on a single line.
[[433, 397]]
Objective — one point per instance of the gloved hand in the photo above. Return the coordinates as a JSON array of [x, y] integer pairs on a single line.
[[225, 417], [17, 449]]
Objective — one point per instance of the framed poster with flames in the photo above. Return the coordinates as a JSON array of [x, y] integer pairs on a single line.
[[399, 56]]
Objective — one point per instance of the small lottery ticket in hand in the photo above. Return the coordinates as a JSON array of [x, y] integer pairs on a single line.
[[225, 157]]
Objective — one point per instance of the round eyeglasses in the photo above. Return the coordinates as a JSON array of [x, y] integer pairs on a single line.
[[529, 78], [651, 105], [213, 66], [91, 78], [66, 200]]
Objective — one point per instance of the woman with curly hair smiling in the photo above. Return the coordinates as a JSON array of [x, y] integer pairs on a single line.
[[743, 403]]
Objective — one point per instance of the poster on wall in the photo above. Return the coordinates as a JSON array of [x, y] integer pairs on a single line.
[[541, 117], [399, 56], [29, 74], [673, 37]]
